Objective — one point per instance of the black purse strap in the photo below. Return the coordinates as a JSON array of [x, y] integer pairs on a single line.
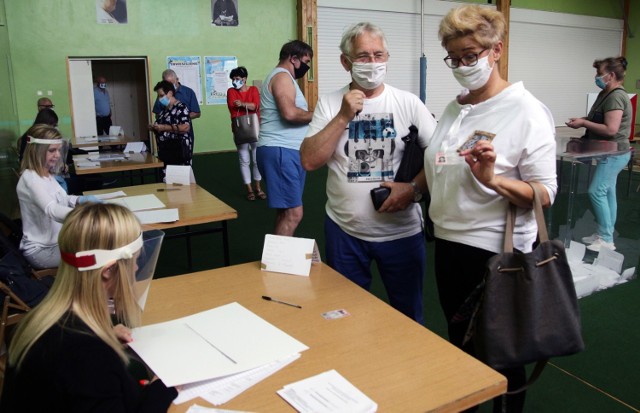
[[508, 247]]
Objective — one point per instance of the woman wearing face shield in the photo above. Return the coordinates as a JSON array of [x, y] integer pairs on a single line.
[[490, 141], [243, 99], [43, 202], [66, 354], [609, 119]]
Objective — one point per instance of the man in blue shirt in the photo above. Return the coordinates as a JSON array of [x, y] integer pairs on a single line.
[[183, 94], [103, 105]]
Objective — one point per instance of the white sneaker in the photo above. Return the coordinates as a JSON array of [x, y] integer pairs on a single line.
[[600, 243], [591, 238]]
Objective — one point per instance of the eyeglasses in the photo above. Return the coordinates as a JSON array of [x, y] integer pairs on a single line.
[[377, 57], [47, 106], [469, 60]]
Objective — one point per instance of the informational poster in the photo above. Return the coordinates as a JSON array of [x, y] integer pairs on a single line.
[[187, 69], [217, 82]]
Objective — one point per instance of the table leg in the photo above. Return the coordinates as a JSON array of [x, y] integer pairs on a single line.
[[572, 194], [189, 257], [225, 241]]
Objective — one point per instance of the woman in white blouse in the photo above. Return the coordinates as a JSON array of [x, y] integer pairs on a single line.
[[44, 204]]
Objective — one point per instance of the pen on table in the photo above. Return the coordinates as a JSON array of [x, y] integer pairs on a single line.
[[265, 297]]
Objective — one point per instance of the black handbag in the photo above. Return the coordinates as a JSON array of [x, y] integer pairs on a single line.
[[528, 311], [411, 164], [245, 128]]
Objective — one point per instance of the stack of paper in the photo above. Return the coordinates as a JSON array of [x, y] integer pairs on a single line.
[[327, 392], [107, 157], [219, 391], [213, 344], [141, 206]]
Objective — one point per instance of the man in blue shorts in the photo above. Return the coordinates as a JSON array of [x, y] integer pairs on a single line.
[[284, 117]]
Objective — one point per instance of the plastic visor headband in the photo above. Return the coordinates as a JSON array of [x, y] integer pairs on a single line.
[[93, 259], [31, 139]]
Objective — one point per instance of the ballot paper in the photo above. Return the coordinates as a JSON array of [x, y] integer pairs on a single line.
[[138, 202], [225, 340], [194, 408], [219, 391], [327, 392], [107, 157], [111, 195], [157, 216], [289, 255]]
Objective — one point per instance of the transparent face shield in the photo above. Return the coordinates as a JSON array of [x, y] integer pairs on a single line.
[[146, 249], [60, 167], [146, 263]]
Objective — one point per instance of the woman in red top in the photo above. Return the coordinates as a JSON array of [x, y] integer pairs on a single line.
[[243, 99]]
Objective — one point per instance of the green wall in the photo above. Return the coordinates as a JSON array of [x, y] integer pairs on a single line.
[[44, 33]]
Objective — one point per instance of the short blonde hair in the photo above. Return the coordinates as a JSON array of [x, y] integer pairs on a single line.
[[87, 227], [35, 154], [486, 25]]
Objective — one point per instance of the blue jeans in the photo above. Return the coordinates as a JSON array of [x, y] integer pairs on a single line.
[[402, 264], [602, 192]]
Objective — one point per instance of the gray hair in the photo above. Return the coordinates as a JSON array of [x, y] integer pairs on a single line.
[[358, 29], [169, 72]]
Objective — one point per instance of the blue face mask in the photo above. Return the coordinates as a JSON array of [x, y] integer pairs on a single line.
[[164, 101], [238, 83], [601, 83]]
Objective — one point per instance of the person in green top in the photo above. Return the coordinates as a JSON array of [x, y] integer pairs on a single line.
[[609, 119]]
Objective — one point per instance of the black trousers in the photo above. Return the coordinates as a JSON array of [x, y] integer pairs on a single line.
[[459, 269], [103, 123]]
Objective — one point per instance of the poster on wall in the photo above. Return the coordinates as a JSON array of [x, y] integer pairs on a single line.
[[224, 13], [217, 82], [111, 11], [187, 69]]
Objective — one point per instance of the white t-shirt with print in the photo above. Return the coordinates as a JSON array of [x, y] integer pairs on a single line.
[[369, 153]]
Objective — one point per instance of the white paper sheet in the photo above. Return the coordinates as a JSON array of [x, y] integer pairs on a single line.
[[111, 195], [327, 392], [225, 340], [219, 391], [610, 259], [135, 147], [107, 157], [157, 216], [179, 174], [289, 255], [87, 164], [194, 408], [138, 202]]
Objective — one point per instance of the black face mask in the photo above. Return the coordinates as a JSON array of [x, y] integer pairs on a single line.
[[299, 72]]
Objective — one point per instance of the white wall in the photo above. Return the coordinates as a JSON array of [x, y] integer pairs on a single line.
[[551, 53]]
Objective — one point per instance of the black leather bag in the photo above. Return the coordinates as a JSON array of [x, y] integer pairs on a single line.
[[245, 128], [528, 311]]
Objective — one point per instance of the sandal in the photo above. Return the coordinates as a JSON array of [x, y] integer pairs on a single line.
[[262, 195], [251, 196]]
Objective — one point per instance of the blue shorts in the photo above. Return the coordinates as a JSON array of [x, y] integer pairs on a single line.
[[283, 174]]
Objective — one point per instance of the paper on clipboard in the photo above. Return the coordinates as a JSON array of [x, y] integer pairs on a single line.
[[289, 255]]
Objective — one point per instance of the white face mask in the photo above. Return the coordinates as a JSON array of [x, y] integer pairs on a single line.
[[474, 77], [368, 75]]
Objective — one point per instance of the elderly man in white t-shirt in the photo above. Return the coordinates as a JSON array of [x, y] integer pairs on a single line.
[[356, 132]]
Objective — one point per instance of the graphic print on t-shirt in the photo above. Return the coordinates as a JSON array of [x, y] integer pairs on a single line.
[[370, 148]]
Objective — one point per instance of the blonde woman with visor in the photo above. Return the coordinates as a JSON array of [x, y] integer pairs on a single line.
[[66, 355]]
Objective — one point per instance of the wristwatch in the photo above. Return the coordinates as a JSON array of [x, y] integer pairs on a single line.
[[417, 193]]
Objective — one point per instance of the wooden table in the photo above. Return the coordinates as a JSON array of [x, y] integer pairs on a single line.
[[195, 206], [134, 162], [398, 363], [94, 141]]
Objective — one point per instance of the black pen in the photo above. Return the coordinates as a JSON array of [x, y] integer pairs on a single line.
[[265, 297]]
